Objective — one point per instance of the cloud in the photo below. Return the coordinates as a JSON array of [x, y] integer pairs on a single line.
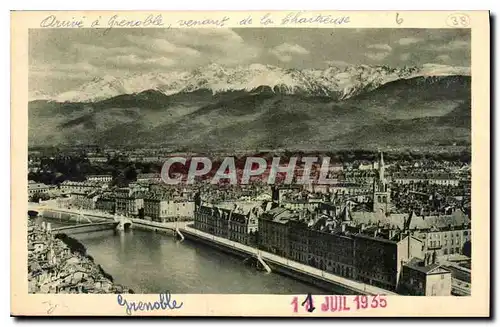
[[337, 63], [405, 56], [80, 67], [78, 71], [450, 46], [458, 44], [385, 50], [285, 51], [382, 47], [223, 46], [60, 58], [433, 69], [159, 45], [443, 58], [88, 54], [377, 56], [136, 61], [409, 40]]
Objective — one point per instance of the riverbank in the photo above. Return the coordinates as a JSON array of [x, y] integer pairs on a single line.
[[60, 264], [289, 268], [297, 271]]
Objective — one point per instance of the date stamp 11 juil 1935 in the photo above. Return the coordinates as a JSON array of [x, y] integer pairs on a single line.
[[338, 303]]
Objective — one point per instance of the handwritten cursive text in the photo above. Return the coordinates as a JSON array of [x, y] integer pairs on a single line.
[[150, 20], [204, 22], [164, 303], [297, 18], [52, 22]]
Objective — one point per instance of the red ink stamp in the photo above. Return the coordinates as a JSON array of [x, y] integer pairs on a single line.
[[341, 303]]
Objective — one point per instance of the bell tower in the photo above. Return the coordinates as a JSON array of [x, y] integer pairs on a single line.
[[381, 191]]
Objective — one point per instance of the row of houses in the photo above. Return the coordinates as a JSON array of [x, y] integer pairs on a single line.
[[446, 179], [373, 255], [401, 254], [236, 223], [154, 207], [40, 188]]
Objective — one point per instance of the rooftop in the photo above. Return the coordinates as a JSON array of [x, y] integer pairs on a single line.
[[457, 218], [417, 264]]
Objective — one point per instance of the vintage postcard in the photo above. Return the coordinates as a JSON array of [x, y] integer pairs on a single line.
[[251, 164]]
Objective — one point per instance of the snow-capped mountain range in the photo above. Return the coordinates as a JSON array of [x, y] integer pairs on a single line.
[[341, 83]]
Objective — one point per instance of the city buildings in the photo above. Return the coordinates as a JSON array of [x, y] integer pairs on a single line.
[[68, 187], [34, 188], [273, 231], [234, 224], [430, 177], [56, 267], [425, 277], [164, 209], [105, 203], [357, 237], [367, 226], [85, 201], [97, 159], [128, 205], [100, 178], [445, 235], [338, 247], [149, 178]]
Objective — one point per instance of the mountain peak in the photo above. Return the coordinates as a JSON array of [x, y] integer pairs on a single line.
[[335, 82]]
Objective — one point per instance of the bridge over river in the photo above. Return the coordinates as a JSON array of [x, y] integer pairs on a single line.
[[188, 268], [85, 222], [92, 220], [86, 228]]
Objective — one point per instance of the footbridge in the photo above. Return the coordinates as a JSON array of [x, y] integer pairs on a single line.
[[86, 228], [118, 223], [85, 221]]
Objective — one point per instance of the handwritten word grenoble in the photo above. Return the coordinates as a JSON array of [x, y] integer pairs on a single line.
[[297, 18], [150, 20], [164, 303]]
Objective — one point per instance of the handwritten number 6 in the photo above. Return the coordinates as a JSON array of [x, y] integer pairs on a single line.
[[399, 20], [374, 302]]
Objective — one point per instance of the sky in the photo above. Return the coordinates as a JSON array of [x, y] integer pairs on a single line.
[[63, 59]]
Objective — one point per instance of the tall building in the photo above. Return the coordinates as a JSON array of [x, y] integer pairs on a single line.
[[128, 205], [381, 190], [356, 252], [163, 209], [425, 277], [234, 224]]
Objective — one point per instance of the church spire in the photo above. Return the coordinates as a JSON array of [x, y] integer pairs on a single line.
[[381, 167]]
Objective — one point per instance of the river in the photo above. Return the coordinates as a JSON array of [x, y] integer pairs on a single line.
[[149, 262]]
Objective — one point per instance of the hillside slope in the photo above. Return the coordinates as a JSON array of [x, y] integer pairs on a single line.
[[417, 111]]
